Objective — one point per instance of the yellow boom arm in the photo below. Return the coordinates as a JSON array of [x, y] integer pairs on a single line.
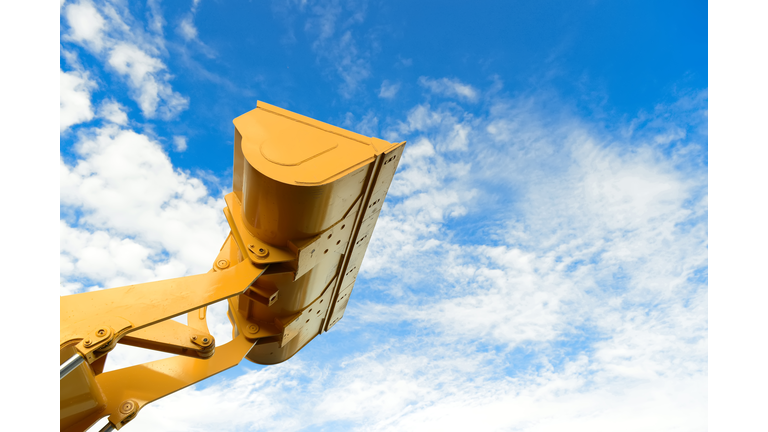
[[306, 197]]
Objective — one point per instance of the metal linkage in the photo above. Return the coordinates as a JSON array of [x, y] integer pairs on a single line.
[[70, 365]]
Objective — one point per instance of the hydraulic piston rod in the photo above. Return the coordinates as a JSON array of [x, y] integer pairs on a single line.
[[70, 365]]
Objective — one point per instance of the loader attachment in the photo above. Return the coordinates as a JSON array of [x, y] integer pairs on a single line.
[[305, 199]]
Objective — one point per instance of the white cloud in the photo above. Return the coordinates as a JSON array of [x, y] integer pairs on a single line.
[[351, 67], [388, 90], [323, 21], [156, 20], [124, 184], [187, 29], [179, 143], [112, 111], [459, 137], [142, 72], [454, 132], [75, 98], [99, 256], [87, 25], [129, 60], [368, 125], [450, 88], [336, 45], [404, 62], [112, 35], [420, 118]]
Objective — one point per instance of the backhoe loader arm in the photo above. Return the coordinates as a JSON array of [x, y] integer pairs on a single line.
[[305, 200]]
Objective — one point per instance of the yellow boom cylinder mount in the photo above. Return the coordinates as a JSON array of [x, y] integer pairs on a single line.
[[305, 199]]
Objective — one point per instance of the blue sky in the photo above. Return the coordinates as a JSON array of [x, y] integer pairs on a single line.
[[541, 261]]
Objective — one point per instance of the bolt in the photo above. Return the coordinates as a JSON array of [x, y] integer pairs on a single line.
[[253, 328], [101, 332], [222, 263], [87, 342], [127, 407], [205, 340], [260, 252], [194, 337]]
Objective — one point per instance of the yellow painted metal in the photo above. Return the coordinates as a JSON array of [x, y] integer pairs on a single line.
[[80, 396], [116, 312], [138, 315], [172, 337], [306, 197], [148, 382], [315, 190]]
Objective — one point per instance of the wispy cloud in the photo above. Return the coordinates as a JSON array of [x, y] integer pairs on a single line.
[[179, 143], [388, 90], [187, 29], [450, 88], [142, 72], [335, 42], [112, 35], [187, 26], [368, 125], [155, 17]]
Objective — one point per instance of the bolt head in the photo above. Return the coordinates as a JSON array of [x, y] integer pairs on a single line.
[[260, 252], [127, 407]]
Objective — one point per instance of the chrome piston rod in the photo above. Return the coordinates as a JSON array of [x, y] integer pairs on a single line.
[[70, 365]]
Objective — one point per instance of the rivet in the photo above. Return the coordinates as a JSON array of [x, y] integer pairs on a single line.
[[222, 263], [253, 328]]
